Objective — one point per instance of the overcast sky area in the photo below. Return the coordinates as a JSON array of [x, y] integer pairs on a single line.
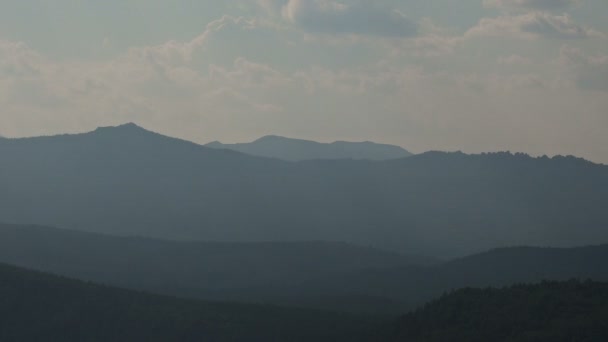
[[470, 75]]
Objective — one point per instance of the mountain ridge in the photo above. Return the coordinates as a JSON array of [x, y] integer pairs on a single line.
[[436, 204], [38, 306], [297, 274], [290, 149]]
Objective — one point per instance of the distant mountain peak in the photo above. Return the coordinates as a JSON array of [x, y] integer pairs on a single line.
[[274, 146], [130, 126], [276, 138]]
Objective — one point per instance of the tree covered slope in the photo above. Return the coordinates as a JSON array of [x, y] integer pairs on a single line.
[[41, 307], [549, 311]]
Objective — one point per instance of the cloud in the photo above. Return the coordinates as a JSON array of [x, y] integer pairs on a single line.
[[241, 78], [545, 5], [332, 17], [532, 25], [514, 60], [588, 72], [175, 52]]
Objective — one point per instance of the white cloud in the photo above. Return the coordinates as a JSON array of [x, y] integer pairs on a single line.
[[588, 72], [333, 17], [532, 25], [531, 4], [514, 60]]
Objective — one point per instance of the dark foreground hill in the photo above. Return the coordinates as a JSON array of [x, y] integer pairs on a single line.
[[129, 181], [40, 307], [298, 150], [550, 311]]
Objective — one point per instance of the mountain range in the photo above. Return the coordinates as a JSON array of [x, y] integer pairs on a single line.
[[320, 275], [129, 181], [273, 146], [43, 307]]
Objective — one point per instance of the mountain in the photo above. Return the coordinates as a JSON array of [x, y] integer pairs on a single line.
[[245, 271], [323, 275], [129, 181], [549, 311], [42, 307], [273, 146], [496, 268]]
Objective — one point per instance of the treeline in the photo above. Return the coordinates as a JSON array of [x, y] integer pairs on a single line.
[[549, 311]]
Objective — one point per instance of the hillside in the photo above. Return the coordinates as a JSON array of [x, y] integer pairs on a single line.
[[208, 270], [495, 268], [550, 311], [298, 150], [129, 181], [41, 307], [326, 275]]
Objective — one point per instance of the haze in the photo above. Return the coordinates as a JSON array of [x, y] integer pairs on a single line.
[[471, 75]]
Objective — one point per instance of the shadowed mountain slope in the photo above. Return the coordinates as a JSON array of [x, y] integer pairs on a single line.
[[326, 275], [495, 268], [244, 271], [129, 181], [549, 311], [298, 150], [41, 307]]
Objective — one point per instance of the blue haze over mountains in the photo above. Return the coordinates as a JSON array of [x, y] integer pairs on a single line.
[[128, 181], [319, 275], [295, 240], [273, 146]]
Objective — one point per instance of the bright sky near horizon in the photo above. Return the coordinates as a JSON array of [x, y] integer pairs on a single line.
[[472, 75]]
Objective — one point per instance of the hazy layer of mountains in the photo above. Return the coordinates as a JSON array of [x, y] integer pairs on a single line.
[[348, 228], [312, 274], [273, 146], [42, 307], [129, 181]]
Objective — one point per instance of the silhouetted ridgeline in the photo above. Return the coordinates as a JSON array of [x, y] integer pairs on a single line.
[[298, 150], [128, 181]]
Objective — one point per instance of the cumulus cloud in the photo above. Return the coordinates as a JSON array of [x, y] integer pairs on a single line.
[[176, 52], [532, 25], [545, 5], [333, 17]]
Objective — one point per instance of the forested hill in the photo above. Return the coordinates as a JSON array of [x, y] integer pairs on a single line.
[[546, 312], [129, 181], [41, 307]]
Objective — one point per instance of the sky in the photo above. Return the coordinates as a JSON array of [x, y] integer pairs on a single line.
[[470, 75]]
